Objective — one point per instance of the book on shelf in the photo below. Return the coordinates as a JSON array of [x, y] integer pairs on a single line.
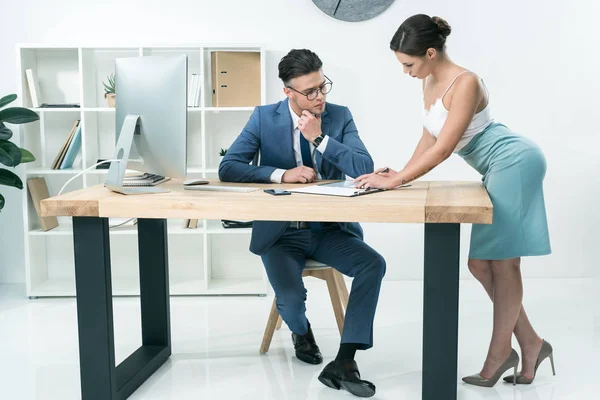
[[38, 189], [78, 163], [72, 150], [194, 90], [34, 87], [190, 223], [192, 84], [197, 90], [61, 154], [60, 105]]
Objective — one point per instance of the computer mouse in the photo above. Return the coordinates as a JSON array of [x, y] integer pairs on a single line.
[[194, 182]]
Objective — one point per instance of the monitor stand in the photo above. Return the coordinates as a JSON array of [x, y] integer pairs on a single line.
[[116, 172]]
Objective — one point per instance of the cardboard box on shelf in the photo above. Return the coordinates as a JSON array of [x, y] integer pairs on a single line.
[[235, 79]]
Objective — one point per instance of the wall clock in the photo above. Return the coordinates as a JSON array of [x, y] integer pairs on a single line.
[[353, 10]]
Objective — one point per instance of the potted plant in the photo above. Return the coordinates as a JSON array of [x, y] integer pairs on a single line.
[[109, 90], [10, 154], [222, 152]]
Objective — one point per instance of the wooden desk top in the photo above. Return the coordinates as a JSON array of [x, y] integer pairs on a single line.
[[451, 202]]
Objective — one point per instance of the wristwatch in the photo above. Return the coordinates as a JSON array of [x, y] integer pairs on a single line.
[[317, 141]]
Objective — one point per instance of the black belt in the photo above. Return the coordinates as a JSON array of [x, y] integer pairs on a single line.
[[306, 225], [299, 225]]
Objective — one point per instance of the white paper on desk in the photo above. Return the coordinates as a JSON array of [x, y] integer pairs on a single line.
[[333, 191], [341, 188]]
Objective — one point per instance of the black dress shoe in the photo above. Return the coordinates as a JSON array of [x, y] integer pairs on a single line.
[[306, 348], [344, 374]]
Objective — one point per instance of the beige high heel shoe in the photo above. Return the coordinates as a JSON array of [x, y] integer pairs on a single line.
[[511, 362], [545, 352]]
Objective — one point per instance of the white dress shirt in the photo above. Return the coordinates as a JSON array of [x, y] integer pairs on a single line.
[[277, 175]]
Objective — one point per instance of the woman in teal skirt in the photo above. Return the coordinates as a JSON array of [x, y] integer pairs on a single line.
[[457, 119]]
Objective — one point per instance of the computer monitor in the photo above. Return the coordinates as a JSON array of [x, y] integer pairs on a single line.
[[151, 115]]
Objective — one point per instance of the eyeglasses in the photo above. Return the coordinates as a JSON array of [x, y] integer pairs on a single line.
[[313, 93]]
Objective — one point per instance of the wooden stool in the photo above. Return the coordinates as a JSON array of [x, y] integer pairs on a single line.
[[338, 292]]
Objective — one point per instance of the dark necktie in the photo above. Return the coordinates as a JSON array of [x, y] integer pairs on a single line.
[[307, 161], [305, 151]]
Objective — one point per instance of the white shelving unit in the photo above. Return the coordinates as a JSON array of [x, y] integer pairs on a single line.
[[208, 260]]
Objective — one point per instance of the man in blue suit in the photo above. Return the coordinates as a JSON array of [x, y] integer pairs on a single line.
[[300, 140]]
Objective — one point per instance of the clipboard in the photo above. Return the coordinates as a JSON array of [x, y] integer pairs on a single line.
[[344, 188]]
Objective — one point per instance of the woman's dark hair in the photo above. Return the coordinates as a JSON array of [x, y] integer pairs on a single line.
[[297, 63], [419, 33]]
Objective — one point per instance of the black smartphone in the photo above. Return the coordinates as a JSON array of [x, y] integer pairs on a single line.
[[277, 192]]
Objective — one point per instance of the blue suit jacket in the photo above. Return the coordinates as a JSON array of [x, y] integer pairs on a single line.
[[269, 131]]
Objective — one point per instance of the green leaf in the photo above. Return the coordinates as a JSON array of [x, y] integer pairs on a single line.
[[18, 115], [5, 133], [108, 89], [10, 154], [26, 156], [7, 100], [1, 202], [8, 178]]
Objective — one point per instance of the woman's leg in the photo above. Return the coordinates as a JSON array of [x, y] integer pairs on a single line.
[[528, 339]]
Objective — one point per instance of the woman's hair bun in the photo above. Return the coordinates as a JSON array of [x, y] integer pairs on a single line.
[[445, 29]]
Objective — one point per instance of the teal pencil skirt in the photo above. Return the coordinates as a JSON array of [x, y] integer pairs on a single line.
[[513, 169]]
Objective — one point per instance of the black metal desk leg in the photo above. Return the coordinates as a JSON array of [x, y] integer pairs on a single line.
[[94, 308], [440, 311], [100, 378], [154, 282]]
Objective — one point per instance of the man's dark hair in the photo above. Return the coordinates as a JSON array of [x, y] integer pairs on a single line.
[[297, 63]]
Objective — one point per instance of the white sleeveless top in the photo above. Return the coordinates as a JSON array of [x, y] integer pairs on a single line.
[[435, 118]]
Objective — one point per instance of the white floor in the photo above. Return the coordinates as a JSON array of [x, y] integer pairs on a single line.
[[216, 341]]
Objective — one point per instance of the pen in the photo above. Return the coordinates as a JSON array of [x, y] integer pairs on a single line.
[[386, 169]]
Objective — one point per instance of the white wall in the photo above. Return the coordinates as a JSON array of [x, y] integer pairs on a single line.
[[539, 59]]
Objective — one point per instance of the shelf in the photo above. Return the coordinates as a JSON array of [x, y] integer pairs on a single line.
[[54, 287], [48, 171], [66, 287], [59, 230], [186, 287], [100, 109], [219, 109], [58, 110], [104, 171], [111, 109], [174, 228], [214, 228], [75, 74], [179, 286]]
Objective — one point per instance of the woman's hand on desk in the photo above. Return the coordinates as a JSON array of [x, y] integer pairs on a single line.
[[385, 171], [383, 180]]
